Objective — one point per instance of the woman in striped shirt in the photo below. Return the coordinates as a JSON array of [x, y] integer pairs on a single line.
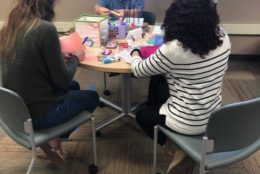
[[193, 60]]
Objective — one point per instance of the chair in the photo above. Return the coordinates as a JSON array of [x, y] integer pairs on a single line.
[[150, 18], [16, 122], [232, 134]]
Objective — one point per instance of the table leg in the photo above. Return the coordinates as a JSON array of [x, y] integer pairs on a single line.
[[126, 93], [110, 104], [126, 103], [103, 124]]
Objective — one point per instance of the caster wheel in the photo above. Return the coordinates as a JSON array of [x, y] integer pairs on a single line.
[[93, 169], [101, 104], [98, 133], [106, 92]]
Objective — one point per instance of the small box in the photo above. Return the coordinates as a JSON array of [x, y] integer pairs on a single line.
[[123, 44], [93, 26], [117, 31]]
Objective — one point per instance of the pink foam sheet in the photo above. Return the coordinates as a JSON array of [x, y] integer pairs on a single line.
[[70, 43]]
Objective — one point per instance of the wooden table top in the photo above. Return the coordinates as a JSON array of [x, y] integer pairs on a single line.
[[118, 67], [94, 64]]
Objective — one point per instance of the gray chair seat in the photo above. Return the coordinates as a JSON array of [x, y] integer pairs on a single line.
[[232, 134], [17, 123], [42, 136], [192, 145], [216, 160]]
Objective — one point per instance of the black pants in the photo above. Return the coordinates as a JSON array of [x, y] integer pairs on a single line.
[[149, 116]]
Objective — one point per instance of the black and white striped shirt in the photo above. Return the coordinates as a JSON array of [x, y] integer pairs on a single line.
[[195, 84]]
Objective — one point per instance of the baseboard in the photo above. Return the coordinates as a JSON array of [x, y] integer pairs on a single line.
[[240, 29], [232, 29]]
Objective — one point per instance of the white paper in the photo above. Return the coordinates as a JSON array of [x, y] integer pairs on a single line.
[[135, 34], [157, 30], [125, 55]]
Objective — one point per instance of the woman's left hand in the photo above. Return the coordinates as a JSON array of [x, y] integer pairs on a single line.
[[66, 54], [135, 53]]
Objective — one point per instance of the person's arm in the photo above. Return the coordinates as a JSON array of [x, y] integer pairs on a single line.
[[102, 10], [102, 7], [60, 73], [128, 12], [158, 63]]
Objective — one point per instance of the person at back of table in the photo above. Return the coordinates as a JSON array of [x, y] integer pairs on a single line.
[[123, 8]]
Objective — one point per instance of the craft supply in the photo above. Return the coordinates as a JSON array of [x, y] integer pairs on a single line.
[[125, 55], [88, 42], [156, 40], [136, 34], [108, 59], [93, 26], [111, 44], [123, 44], [106, 51], [105, 60]]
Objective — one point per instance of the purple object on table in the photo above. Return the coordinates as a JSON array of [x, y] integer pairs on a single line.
[[117, 31]]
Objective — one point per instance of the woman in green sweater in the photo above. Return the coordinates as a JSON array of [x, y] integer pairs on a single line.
[[34, 67]]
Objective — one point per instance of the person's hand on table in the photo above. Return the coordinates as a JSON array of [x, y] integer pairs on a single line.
[[66, 56], [80, 53], [104, 11], [135, 53], [118, 13]]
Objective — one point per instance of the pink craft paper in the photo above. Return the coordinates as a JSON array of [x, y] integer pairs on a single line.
[[70, 43], [73, 42], [148, 50], [90, 56]]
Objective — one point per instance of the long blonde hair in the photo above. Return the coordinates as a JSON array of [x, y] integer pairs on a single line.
[[22, 12]]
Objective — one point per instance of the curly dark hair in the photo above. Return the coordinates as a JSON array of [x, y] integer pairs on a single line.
[[194, 23]]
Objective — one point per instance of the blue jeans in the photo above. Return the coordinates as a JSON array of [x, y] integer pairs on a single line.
[[69, 106]]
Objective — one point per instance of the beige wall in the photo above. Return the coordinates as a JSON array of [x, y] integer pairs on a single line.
[[231, 12]]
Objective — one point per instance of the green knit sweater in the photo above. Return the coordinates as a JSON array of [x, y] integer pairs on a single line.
[[37, 71]]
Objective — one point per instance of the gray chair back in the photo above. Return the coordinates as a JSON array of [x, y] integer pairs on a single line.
[[149, 17], [13, 114], [235, 126]]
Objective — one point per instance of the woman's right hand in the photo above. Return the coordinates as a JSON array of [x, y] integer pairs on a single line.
[[80, 53], [103, 11]]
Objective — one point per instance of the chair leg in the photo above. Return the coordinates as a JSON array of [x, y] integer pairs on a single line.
[[105, 81], [203, 155], [155, 149], [32, 160], [93, 169], [106, 91], [29, 129], [94, 140]]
